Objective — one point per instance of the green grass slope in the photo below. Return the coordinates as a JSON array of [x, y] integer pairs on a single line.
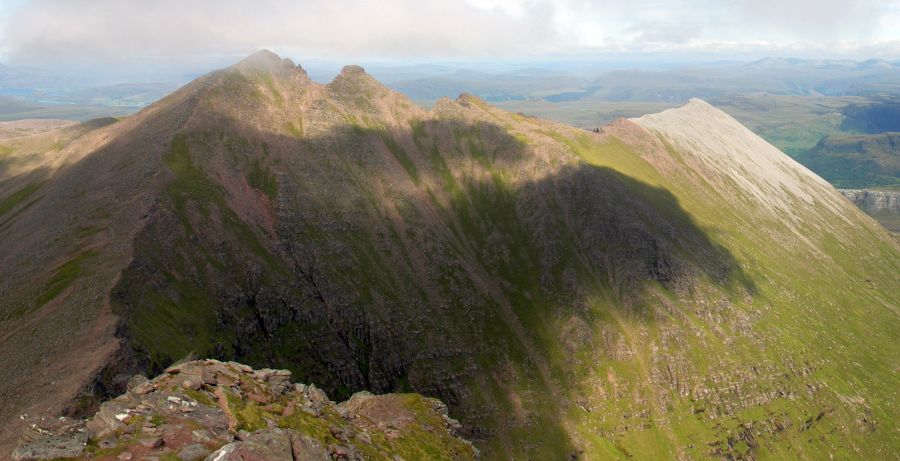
[[826, 307]]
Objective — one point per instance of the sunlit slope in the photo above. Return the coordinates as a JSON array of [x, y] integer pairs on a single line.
[[815, 372]]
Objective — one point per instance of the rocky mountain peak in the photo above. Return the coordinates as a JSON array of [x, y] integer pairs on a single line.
[[261, 59], [699, 103], [695, 108], [269, 62], [352, 70], [354, 78], [469, 98], [721, 143], [699, 107]]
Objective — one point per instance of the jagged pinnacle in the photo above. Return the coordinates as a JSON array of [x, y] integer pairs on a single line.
[[268, 61]]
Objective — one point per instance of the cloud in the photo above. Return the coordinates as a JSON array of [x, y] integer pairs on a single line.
[[816, 19], [663, 32], [57, 30], [115, 28]]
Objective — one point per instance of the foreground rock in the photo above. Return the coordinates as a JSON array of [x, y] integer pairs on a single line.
[[220, 411]]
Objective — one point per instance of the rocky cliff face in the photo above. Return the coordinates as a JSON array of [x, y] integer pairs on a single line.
[[670, 287], [227, 411], [874, 201], [883, 205]]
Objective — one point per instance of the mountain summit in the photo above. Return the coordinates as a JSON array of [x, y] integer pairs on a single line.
[[671, 287]]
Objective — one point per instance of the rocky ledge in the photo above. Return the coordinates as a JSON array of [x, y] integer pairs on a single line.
[[874, 201], [221, 411]]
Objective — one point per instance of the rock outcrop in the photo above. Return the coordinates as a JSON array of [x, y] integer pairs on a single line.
[[220, 411], [874, 201], [883, 205]]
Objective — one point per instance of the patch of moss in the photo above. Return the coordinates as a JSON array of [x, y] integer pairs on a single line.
[[172, 328], [87, 231], [249, 415], [308, 424], [295, 130], [236, 84], [269, 83], [157, 420], [260, 178], [61, 279], [418, 440], [401, 156], [190, 183], [200, 397], [18, 197]]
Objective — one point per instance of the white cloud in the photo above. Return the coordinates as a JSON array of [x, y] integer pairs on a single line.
[[114, 28], [56, 30]]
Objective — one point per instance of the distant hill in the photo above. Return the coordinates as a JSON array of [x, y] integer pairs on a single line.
[[673, 84], [856, 161], [33, 93], [17, 108], [873, 117]]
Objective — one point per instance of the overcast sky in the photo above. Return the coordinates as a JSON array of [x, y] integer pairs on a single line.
[[65, 31]]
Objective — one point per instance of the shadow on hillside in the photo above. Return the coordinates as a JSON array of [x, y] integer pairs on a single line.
[[519, 217], [433, 259]]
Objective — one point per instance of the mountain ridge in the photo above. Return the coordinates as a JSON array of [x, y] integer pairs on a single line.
[[532, 275]]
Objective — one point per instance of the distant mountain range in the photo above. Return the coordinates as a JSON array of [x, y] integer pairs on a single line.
[[27, 92], [674, 85], [553, 81]]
